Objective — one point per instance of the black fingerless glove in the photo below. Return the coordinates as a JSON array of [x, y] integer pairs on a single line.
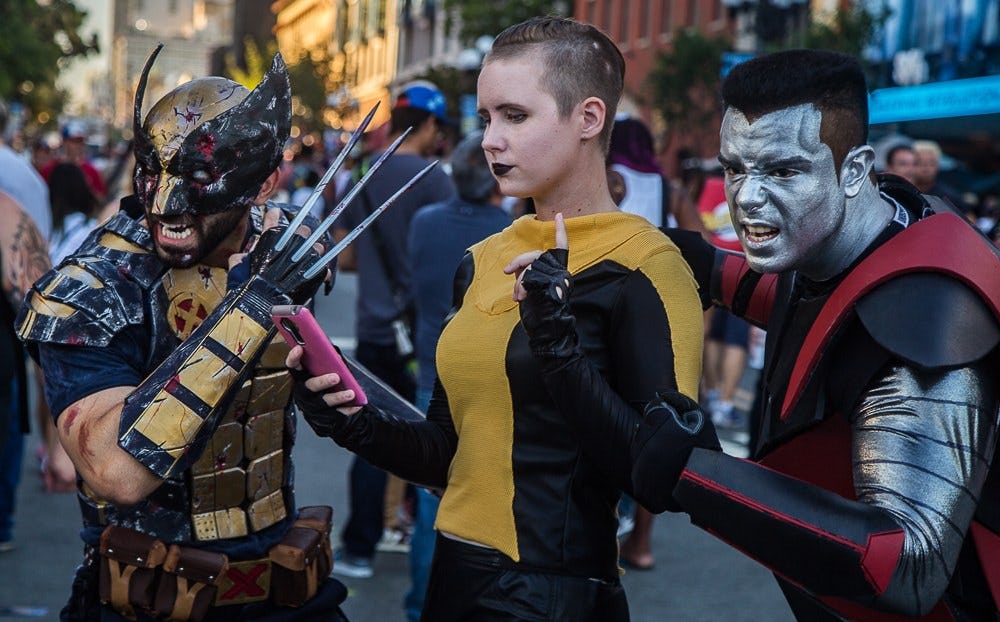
[[325, 420], [545, 312], [278, 268], [672, 425]]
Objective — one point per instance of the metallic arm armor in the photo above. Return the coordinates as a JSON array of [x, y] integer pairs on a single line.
[[922, 445]]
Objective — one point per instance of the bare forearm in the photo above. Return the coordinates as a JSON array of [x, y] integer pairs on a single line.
[[88, 430]]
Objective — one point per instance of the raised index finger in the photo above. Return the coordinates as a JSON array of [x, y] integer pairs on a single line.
[[562, 241]]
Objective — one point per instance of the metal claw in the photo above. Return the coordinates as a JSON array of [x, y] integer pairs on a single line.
[[342, 205], [327, 176], [325, 260]]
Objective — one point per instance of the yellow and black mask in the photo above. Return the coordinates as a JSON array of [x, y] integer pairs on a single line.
[[208, 145]]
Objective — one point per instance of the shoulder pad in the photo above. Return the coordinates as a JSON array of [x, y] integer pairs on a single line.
[[96, 292], [930, 319]]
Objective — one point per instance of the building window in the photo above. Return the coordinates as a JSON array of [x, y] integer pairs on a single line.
[[363, 19], [645, 19], [692, 16], [591, 11], [624, 21], [666, 17], [380, 18], [606, 20], [716, 10]]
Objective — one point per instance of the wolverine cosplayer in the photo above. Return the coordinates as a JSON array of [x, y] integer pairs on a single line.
[[171, 397], [873, 494]]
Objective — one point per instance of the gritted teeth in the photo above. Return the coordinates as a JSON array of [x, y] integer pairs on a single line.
[[760, 230], [175, 232]]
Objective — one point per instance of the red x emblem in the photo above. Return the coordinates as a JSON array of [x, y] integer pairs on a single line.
[[245, 582]]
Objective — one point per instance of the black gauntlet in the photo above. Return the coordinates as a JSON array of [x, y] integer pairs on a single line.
[[168, 419], [545, 312], [672, 425]]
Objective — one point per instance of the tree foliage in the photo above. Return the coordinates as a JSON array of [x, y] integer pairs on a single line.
[[257, 63], [311, 76], [684, 82], [489, 17], [849, 31], [36, 36]]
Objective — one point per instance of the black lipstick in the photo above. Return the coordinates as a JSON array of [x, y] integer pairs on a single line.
[[501, 169]]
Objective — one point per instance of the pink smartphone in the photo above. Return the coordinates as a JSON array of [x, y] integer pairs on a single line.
[[299, 328]]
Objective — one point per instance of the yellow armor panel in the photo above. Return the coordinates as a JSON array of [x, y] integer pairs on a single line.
[[270, 391], [267, 511], [263, 433], [265, 475]]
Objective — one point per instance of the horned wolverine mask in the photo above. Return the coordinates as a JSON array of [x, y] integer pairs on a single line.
[[208, 145]]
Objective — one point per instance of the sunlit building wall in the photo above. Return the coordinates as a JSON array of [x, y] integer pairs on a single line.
[[357, 37]]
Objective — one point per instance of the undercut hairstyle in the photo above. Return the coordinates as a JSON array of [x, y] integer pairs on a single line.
[[403, 117], [833, 82], [580, 62]]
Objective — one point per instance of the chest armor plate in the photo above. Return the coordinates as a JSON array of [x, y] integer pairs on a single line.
[[236, 487]]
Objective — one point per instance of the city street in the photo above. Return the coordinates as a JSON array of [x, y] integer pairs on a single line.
[[696, 577]]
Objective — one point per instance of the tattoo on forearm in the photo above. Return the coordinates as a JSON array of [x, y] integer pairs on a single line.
[[27, 260]]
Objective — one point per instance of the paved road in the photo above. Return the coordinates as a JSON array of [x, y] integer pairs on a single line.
[[696, 578]]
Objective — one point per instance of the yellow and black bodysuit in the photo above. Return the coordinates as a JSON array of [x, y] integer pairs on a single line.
[[522, 471]]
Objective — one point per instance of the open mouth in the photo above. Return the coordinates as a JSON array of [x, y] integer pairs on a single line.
[[175, 232], [759, 233], [501, 169]]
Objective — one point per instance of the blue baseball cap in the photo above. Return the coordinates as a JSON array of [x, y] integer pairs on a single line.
[[424, 96]]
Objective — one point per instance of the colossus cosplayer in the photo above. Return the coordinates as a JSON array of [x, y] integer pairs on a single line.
[[171, 398], [872, 493]]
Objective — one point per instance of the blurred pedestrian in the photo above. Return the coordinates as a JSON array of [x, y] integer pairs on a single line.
[[25, 214], [74, 150], [640, 186], [385, 310], [439, 236], [926, 170], [727, 337], [537, 384], [74, 210], [22, 181], [901, 160]]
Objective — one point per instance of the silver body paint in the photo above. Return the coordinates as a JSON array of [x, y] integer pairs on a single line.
[[923, 443], [782, 177]]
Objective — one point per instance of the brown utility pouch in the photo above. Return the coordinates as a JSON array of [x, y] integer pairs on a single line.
[[320, 518], [295, 567], [189, 583], [130, 562]]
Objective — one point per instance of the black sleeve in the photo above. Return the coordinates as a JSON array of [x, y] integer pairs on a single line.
[[418, 451]]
